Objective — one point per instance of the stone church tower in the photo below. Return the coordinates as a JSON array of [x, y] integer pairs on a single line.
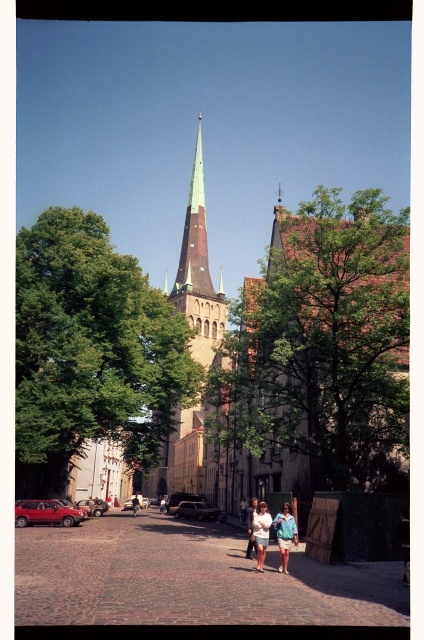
[[194, 295]]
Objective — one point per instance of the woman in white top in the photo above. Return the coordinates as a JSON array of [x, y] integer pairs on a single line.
[[262, 521]]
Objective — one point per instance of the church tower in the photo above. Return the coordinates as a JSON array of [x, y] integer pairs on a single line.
[[193, 292], [194, 295]]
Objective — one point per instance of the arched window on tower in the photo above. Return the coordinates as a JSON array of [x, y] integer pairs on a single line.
[[196, 307], [221, 330], [191, 321], [206, 329], [214, 330], [207, 310], [217, 311], [199, 326]]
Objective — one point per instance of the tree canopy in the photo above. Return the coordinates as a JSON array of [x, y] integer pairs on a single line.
[[322, 363], [95, 345]]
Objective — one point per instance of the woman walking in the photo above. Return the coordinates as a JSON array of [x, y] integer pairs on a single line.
[[262, 521], [285, 524]]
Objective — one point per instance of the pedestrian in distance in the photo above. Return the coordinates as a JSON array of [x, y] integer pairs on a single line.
[[402, 537], [162, 506], [249, 521], [262, 522], [243, 508], [136, 505], [287, 534]]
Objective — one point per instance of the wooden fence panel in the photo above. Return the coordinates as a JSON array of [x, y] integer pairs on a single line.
[[321, 526]]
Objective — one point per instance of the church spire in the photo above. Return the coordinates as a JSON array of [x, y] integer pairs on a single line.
[[194, 259], [221, 285], [196, 196], [165, 286]]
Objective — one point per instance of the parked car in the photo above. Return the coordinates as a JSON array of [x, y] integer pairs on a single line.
[[210, 507], [194, 510], [31, 512], [154, 502], [84, 511], [97, 508], [128, 504], [146, 503], [175, 499]]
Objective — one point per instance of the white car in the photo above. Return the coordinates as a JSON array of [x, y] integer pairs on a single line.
[[128, 504]]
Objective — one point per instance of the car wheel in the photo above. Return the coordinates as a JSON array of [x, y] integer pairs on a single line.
[[67, 521], [98, 513], [21, 522], [200, 517], [177, 515]]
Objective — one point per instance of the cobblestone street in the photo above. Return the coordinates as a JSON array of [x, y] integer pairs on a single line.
[[155, 570]]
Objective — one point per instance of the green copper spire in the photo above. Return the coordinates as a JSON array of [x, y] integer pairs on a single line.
[[196, 198]]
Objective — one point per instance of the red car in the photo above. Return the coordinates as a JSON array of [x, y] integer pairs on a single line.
[[30, 512], [85, 511]]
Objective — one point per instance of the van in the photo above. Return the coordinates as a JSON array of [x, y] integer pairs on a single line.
[[176, 498]]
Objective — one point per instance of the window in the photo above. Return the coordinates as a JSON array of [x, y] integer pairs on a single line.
[[29, 505]]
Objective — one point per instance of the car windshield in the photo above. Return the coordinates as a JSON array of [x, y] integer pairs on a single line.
[[200, 505]]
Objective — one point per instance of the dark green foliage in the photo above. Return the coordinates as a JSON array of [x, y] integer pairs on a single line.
[[95, 344], [322, 362]]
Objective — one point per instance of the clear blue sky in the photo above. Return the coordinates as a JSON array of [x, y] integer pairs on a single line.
[[107, 121]]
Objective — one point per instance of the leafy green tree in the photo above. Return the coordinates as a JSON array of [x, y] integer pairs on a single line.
[[95, 344], [330, 336]]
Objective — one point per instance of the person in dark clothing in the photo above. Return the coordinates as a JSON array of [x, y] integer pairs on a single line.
[[136, 506], [402, 537], [249, 521]]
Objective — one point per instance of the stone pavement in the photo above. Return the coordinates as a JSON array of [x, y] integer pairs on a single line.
[[155, 570]]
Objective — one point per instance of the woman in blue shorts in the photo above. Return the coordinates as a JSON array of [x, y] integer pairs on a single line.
[[262, 521]]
